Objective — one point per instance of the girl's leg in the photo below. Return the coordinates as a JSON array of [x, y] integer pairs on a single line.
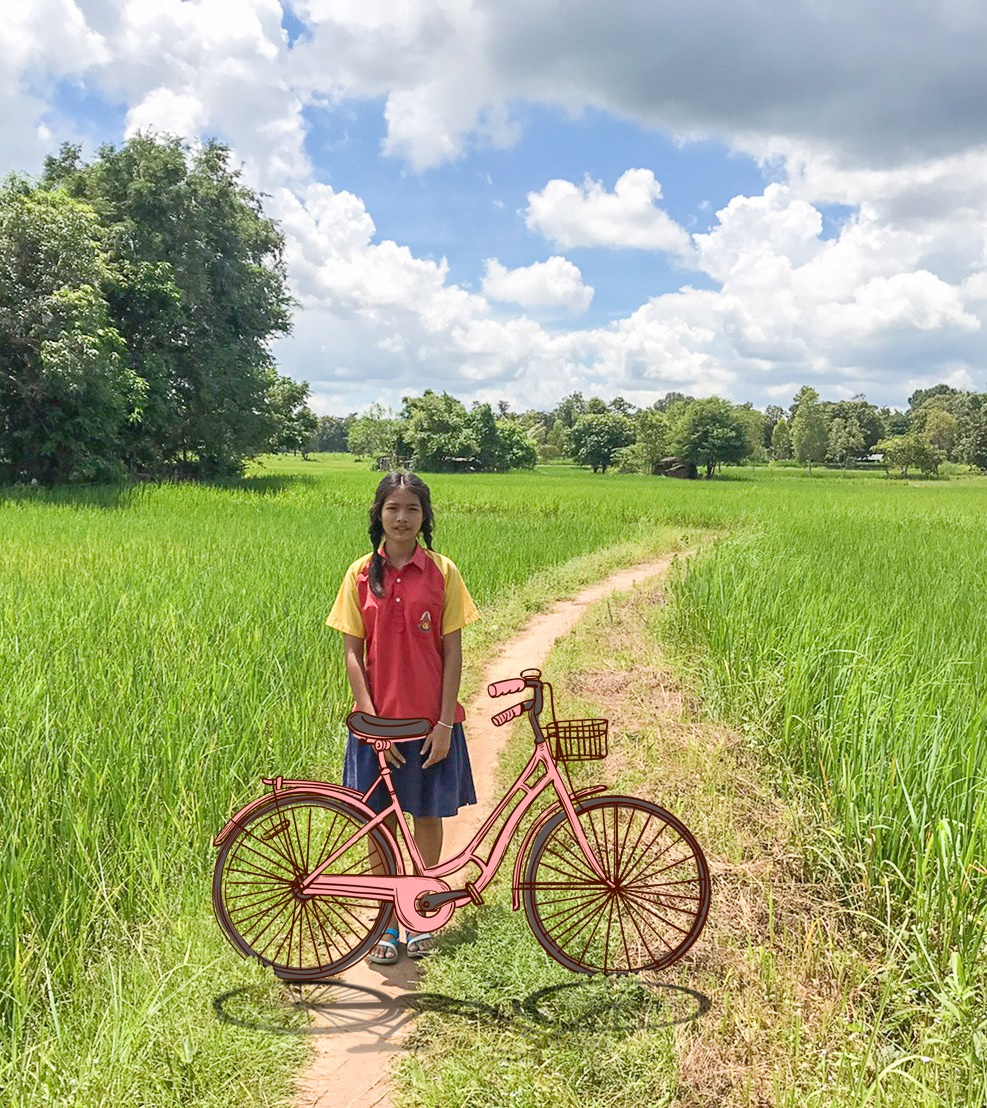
[[428, 838], [381, 952]]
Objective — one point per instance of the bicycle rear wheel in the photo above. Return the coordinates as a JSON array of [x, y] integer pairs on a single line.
[[647, 913], [256, 879]]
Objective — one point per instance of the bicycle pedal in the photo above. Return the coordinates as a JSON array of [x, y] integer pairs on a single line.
[[278, 829]]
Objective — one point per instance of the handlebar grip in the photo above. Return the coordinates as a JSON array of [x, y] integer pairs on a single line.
[[502, 688], [509, 713]]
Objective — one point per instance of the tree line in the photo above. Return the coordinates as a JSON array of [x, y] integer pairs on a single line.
[[435, 432], [138, 294]]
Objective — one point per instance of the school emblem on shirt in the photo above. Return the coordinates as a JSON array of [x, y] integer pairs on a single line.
[[425, 622]]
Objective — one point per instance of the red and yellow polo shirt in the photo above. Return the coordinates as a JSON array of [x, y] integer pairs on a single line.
[[403, 629]]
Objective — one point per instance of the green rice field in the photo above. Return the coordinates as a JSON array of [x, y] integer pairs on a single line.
[[163, 647]]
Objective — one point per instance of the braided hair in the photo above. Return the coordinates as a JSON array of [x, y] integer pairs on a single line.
[[413, 483]]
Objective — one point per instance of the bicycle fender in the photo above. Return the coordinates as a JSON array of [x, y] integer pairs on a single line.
[[533, 830], [293, 788]]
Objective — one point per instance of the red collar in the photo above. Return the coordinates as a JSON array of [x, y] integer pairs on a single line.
[[419, 558]]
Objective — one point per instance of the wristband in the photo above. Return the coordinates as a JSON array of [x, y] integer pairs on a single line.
[[443, 723]]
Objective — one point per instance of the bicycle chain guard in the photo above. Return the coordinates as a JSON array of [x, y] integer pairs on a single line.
[[404, 891]]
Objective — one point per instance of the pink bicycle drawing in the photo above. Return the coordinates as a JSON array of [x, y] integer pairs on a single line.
[[307, 874]]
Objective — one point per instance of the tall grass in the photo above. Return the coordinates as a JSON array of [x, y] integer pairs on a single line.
[[162, 648], [846, 630]]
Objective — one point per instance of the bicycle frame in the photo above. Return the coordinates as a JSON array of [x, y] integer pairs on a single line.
[[425, 890]]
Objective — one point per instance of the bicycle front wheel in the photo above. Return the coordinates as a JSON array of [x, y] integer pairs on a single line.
[[256, 887], [651, 907]]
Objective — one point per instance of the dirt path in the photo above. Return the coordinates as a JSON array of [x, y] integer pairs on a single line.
[[361, 1019]]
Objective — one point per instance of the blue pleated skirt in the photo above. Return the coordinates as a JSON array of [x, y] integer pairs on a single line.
[[441, 790]]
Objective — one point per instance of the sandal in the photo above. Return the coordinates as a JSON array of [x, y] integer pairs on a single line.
[[422, 944], [390, 946]]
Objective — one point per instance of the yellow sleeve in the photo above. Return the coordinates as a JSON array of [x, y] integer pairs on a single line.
[[345, 615], [458, 608]]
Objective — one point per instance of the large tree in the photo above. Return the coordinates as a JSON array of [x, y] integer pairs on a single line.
[[808, 431], [597, 436], [858, 411], [483, 439], [294, 422], [922, 396], [942, 429], [437, 431], [893, 422], [710, 431], [377, 432], [517, 449], [67, 387], [754, 423], [569, 409], [330, 434], [651, 438], [781, 441], [773, 414], [202, 292], [442, 435], [972, 447], [911, 450], [845, 441]]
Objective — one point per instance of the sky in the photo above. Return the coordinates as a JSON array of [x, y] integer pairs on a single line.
[[517, 200]]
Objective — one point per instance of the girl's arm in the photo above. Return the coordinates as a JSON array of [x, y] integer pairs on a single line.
[[357, 674], [436, 746]]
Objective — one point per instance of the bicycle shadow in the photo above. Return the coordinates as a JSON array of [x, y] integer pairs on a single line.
[[337, 1007]]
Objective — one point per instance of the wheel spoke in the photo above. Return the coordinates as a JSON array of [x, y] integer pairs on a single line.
[[632, 916], [570, 856], [621, 837], [652, 910], [264, 906], [576, 850], [606, 941], [567, 875], [592, 934], [643, 874], [272, 845], [265, 859], [646, 857], [573, 918]]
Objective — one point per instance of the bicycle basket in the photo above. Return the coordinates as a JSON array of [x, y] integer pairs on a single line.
[[578, 740]]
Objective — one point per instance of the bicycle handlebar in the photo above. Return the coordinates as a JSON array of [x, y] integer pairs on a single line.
[[502, 688], [509, 713]]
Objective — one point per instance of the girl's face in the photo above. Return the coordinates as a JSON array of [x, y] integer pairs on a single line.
[[401, 515]]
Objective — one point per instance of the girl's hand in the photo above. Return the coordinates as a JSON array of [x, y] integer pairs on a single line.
[[394, 757], [436, 746]]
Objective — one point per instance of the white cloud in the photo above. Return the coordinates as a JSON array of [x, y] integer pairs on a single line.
[[556, 283], [164, 110], [890, 126], [753, 228], [335, 265], [41, 43], [588, 215], [838, 76], [904, 301]]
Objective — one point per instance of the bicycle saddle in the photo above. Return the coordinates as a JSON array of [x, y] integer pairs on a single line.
[[368, 728]]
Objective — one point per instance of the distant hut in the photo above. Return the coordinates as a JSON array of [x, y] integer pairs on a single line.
[[677, 467]]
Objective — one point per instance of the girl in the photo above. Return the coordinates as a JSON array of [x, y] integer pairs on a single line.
[[401, 610]]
